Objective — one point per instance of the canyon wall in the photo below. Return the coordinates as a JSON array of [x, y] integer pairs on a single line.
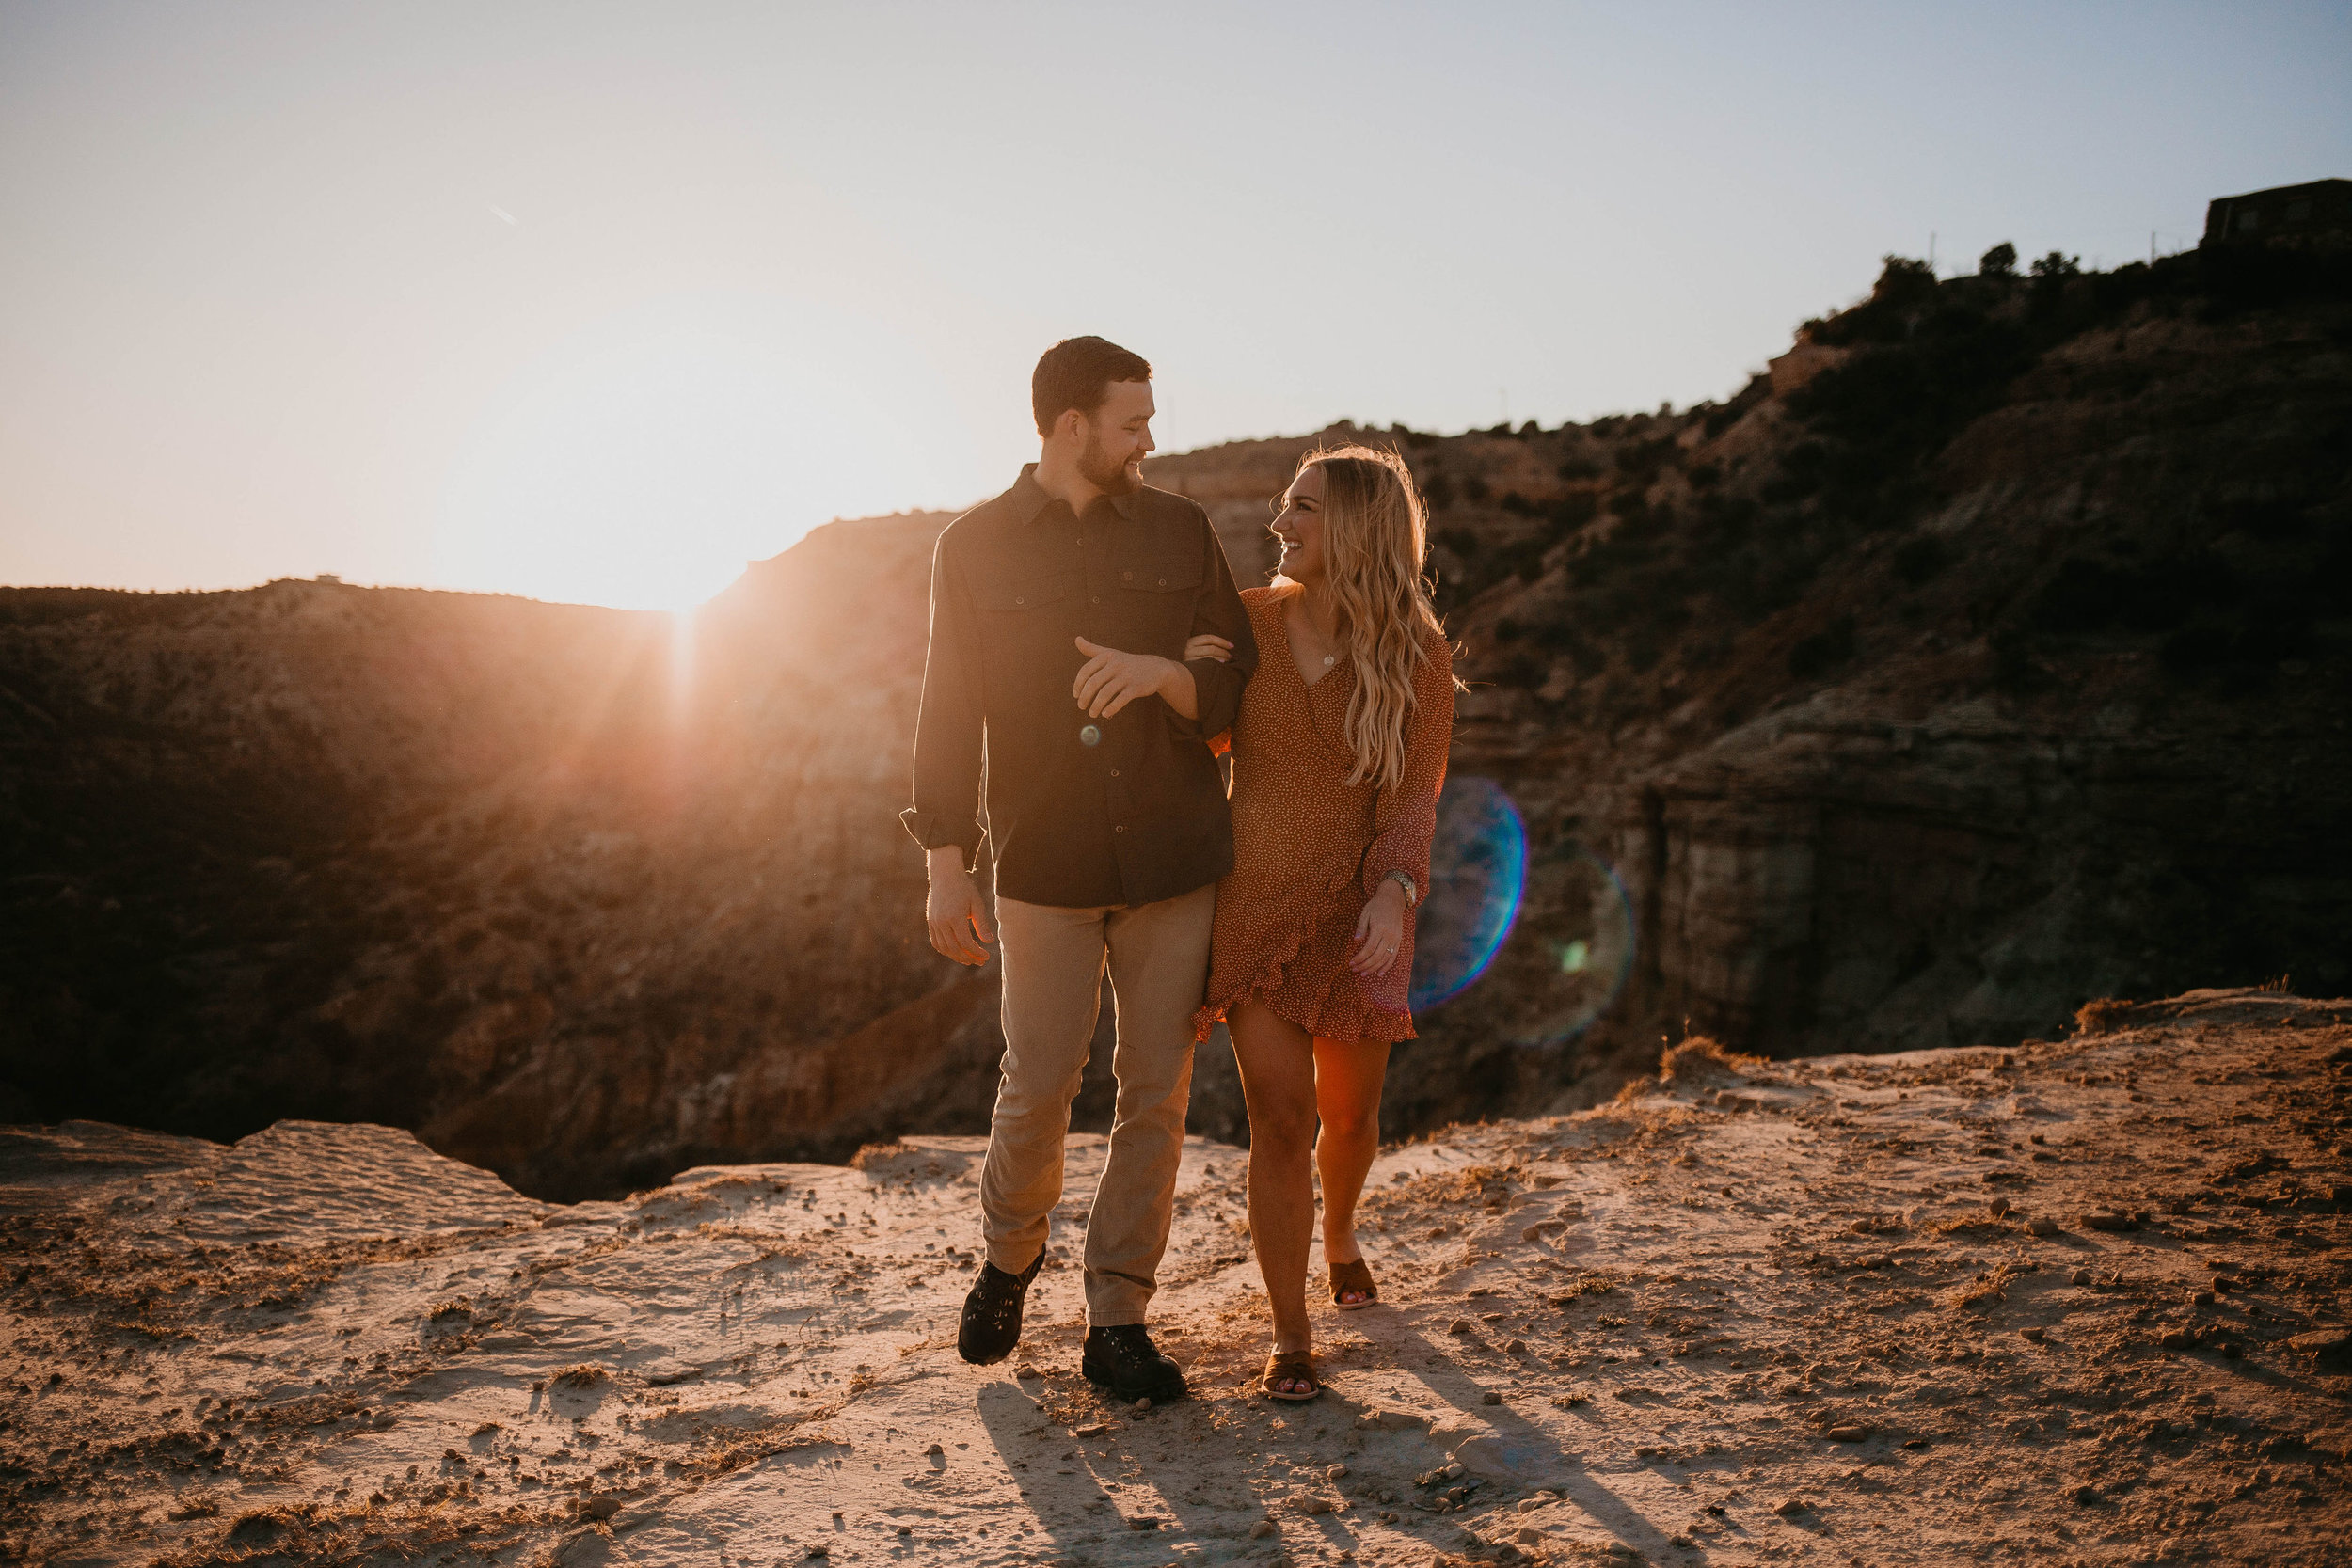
[[1997, 662]]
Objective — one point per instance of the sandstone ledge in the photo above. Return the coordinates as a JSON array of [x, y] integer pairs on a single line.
[[2079, 1301]]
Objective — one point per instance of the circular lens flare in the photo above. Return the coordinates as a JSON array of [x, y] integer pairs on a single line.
[[1569, 959], [1548, 936], [1477, 875]]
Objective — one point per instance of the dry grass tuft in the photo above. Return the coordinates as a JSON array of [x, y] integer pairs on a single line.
[[2102, 1017], [586, 1375], [1703, 1063]]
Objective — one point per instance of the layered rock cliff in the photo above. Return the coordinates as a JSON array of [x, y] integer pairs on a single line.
[[1987, 655]]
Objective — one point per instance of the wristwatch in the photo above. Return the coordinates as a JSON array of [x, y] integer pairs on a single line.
[[1405, 880]]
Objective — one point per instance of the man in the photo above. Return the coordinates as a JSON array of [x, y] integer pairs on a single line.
[[1060, 614]]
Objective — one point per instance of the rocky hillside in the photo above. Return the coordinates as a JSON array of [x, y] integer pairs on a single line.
[[1988, 654], [1991, 653], [2082, 1301], [574, 900]]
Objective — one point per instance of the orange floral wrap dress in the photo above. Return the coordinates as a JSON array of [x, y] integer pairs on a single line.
[[1309, 848]]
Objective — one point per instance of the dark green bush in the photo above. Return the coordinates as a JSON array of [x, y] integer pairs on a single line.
[[1802, 469], [1905, 292], [1560, 637], [1641, 460], [1573, 510], [2262, 276], [1918, 559], [1724, 416], [1824, 650], [2000, 261], [2088, 596]]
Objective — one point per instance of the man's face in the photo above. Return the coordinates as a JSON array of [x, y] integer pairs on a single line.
[[1118, 438]]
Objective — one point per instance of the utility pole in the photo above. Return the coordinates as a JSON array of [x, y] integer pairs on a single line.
[[2152, 247], [1930, 253]]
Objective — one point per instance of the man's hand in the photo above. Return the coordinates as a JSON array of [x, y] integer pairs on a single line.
[[955, 911], [1110, 680]]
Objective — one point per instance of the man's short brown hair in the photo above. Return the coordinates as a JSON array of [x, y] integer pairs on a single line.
[[1078, 372]]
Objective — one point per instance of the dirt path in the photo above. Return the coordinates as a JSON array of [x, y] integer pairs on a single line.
[[2079, 1302]]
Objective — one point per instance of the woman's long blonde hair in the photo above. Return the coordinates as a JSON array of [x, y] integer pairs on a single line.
[[1375, 538]]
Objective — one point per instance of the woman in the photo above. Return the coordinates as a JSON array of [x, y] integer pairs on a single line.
[[1338, 754]]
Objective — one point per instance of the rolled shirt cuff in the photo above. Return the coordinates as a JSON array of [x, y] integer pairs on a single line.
[[935, 832], [1189, 729]]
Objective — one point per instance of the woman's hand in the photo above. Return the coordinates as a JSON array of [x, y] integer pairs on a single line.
[[1379, 931], [1209, 645]]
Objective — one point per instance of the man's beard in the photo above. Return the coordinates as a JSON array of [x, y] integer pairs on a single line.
[[1096, 467]]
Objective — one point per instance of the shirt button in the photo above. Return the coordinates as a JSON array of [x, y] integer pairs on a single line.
[[1163, 582], [1018, 600], [1114, 772], [1121, 829], [1098, 598]]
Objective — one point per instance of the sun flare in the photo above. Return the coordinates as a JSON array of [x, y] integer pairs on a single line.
[[642, 463]]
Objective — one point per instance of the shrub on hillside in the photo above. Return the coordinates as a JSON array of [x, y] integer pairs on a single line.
[[1724, 416], [2264, 276], [1641, 460], [1824, 650], [1918, 559], [2000, 261], [2088, 595], [1905, 292]]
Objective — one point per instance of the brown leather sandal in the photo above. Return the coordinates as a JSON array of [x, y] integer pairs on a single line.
[[1290, 1365], [1354, 1276]]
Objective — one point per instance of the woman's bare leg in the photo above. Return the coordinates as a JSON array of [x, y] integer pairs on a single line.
[[1348, 1076], [1278, 1080]]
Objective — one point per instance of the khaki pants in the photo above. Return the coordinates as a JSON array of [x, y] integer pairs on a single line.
[[1158, 956]]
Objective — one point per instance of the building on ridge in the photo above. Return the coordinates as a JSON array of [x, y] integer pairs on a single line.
[[2320, 211]]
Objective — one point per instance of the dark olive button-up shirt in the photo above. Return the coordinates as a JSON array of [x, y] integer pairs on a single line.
[[1082, 812]]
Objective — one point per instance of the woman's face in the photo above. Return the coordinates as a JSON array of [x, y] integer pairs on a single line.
[[1299, 524]]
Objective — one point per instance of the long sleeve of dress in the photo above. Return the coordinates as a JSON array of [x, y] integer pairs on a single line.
[[1405, 818]]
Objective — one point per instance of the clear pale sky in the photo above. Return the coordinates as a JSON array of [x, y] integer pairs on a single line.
[[595, 302]]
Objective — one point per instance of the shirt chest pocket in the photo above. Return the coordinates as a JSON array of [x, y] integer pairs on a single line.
[[1154, 574], [1018, 596]]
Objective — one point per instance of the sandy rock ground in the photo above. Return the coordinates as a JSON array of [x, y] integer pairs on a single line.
[[2078, 1302]]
